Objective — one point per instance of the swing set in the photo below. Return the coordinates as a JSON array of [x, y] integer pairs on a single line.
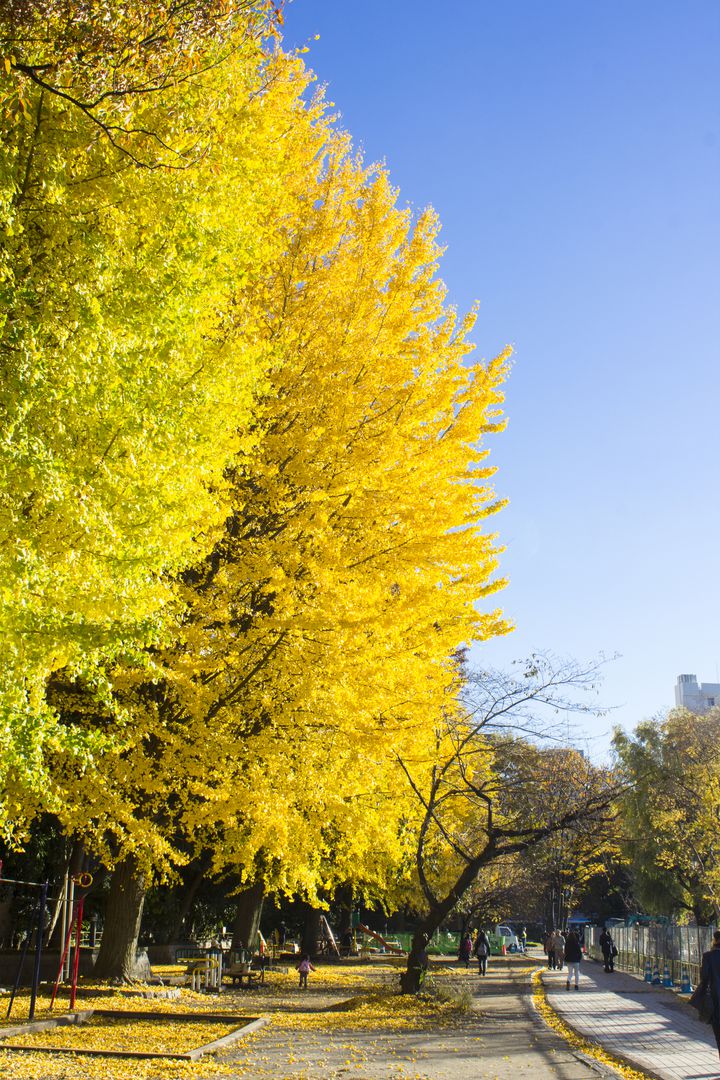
[[37, 926]]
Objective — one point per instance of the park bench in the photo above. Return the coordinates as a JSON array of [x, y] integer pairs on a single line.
[[244, 970]]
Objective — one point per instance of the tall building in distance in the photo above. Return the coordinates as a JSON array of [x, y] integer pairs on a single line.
[[694, 696]]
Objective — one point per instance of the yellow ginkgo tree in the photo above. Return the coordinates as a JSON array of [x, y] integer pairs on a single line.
[[319, 638], [245, 496], [140, 173]]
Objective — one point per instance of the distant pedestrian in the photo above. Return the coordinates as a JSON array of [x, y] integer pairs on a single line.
[[522, 937], [549, 947], [347, 943], [304, 967], [710, 981], [559, 949], [608, 950], [573, 956], [465, 949], [482, 951]]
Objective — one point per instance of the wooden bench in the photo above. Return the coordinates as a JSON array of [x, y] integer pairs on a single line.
[[243, 970]]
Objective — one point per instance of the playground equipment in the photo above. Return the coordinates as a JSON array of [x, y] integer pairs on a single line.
[[83, 881], [329, 934], [385, 944], [37, 927], [206, 974], [37, 924]]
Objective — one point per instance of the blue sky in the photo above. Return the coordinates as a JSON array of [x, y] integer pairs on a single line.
[[572, 150]]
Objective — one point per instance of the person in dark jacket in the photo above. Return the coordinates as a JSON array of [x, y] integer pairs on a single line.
[[465, 949], [608, 949], [710, 980], [482, 951], [549, 949], [573, 956]]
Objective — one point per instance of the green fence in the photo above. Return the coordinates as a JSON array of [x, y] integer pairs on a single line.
[[442, 943]]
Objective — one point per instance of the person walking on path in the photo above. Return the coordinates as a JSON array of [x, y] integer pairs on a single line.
[[304, 967], [465, 949], [710, 983], [573, 956], [482, 951], [608, 950], [549, 947], [559, 948]]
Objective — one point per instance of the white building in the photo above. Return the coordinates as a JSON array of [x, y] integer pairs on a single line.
[[694, 696]]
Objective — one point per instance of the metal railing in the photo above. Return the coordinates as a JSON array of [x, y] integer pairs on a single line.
[[679, 948]]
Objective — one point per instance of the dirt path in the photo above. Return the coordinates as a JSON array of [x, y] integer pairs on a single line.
[[498, 1038]]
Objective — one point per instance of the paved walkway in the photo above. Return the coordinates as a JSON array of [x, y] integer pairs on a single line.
[[648, 1026], [499, 1038]]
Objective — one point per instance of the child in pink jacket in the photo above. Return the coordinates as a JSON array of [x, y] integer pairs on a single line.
[[304, 967]]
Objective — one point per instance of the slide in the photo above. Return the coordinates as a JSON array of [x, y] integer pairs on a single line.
[[383, 942], [331, 937]]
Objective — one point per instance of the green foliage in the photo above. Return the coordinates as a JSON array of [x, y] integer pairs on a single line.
[[669, 809]]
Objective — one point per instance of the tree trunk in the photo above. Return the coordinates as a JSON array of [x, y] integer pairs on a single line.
[[117, 958], [412, 978], [702, 913], [175, 928], [311, 931], [344, 901], [247, 917]]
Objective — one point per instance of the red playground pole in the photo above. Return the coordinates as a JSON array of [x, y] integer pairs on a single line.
[[76, 958], [66, 946]]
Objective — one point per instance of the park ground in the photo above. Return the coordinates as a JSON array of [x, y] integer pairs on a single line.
[[351, 1023]]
